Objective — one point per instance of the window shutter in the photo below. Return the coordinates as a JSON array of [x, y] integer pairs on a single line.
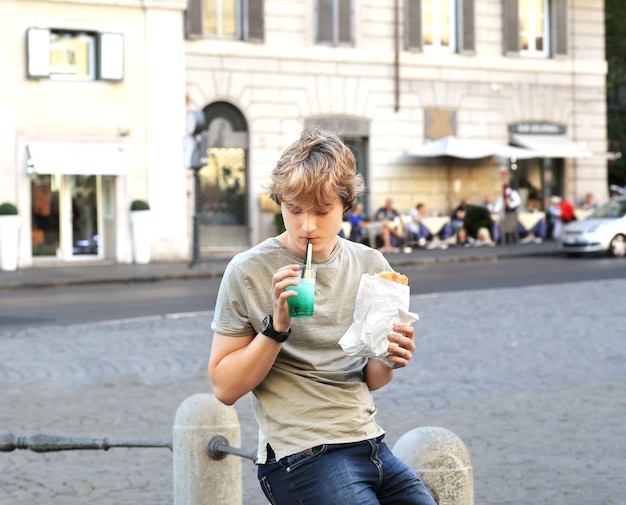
[[345, 21], [510, 10], [558, 26], [466, 26], [412, 25], [37, 53], [110, 61], [254, 21], [325, 21], [194, 19]]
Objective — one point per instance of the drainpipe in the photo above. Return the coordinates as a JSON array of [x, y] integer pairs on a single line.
[[396, 19], [572, 47]]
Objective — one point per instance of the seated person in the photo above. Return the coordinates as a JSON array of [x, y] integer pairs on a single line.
[[483, 237], [387, 225], [387, 213], [359, 222], [589, 202], [415, 231], [419, 232], [458, 216], [476, 227], [463, 239], [490, 205]]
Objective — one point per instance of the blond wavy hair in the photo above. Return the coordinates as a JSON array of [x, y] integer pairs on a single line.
[[314, 171]]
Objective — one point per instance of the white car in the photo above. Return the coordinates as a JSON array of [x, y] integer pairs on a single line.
[[603, 230]]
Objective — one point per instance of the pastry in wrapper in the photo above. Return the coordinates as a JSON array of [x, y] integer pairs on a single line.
[[379, 306], [395, 277]]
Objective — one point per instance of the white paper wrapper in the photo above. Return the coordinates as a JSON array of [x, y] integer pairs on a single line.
[[380, 305]]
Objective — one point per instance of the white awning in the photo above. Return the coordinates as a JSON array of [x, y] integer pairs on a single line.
[[67, 158], [469, 149], [552, 146]]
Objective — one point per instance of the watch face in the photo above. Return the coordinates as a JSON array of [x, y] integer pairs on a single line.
[[265, 324], [267, 328]]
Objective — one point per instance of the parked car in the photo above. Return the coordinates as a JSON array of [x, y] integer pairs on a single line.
[[603, 230]]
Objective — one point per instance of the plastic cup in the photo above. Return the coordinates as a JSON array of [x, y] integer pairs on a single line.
[[303, 303]]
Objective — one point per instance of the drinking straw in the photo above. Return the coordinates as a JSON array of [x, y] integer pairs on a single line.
[[309, 252]]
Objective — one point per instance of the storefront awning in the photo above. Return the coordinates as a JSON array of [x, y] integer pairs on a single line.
[[467, 149], [552, 146], [76, 158]]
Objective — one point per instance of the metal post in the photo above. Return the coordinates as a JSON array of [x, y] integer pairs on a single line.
[[196, 218], [54, 443], [198, 160]]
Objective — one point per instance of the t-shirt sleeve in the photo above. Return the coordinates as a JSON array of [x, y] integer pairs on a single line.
[[231, 315]]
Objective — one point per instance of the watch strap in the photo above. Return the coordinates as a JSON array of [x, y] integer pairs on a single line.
[[267, 328]]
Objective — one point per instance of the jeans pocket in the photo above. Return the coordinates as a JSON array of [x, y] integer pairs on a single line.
[[267, 490], [292, 462]]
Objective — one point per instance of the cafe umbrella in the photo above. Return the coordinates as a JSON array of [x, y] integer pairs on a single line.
[[452, 147]]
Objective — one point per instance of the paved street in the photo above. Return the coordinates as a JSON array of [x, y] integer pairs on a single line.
[[533, 379]]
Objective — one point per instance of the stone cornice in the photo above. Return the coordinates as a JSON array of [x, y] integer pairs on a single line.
[[138, 4]]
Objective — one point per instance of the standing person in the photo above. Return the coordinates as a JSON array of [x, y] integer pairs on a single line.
[[318, 440], [509, 200], [507, 206], [561, 212]]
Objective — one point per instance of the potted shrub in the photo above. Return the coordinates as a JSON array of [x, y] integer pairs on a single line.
[[9, 236], [140, 224]]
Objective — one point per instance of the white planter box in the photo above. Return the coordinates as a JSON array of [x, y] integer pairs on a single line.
[[141, 231], [9, 239]]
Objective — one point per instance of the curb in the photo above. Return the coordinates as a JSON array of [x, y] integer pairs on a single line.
[[51, 278]]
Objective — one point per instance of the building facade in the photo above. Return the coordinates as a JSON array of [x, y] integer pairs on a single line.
[[93, 107], [81, 141], [390, 76]]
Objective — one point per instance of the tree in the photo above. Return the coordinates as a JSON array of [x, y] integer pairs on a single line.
[[615, 43]]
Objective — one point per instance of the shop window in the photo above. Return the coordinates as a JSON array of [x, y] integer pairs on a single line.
[[439, 25], [536, 28], [45, 227], [230, 19], [74, 55], [334, 24]]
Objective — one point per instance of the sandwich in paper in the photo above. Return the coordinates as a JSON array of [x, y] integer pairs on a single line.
[[382, 302]]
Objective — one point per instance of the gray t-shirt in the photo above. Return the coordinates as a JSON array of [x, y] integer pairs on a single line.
[[314, 393]]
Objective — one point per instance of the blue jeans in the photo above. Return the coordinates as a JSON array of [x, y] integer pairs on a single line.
[[360, 473]]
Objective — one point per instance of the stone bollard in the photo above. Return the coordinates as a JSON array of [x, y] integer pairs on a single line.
[[199, 479], [442, 461]]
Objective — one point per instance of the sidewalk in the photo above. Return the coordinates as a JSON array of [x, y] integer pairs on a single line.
[[104, 272]]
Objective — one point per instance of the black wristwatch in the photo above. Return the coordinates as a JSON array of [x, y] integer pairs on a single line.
[[267, 328]]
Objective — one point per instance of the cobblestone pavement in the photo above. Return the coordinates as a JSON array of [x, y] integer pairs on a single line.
[[532, 379]]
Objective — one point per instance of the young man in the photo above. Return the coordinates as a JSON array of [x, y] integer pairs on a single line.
[[318, 441]]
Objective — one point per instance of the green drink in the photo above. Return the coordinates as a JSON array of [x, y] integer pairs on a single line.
[[302, 304]]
